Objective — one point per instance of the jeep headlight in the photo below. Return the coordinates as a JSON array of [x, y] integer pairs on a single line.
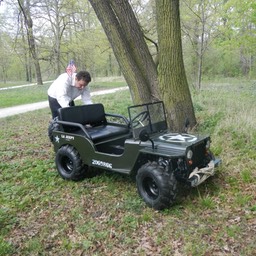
[[189, 154]]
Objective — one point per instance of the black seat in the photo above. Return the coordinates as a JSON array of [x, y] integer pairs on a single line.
[[91, 121], [92, 114]]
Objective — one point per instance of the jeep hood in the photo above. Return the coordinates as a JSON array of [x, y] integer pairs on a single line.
[[172, 144], [178, 139]]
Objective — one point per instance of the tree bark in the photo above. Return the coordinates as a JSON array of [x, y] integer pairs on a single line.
[[132, 53], [171, 72], [25, 8], [129, 47]]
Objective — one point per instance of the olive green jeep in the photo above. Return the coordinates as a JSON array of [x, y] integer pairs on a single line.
[[141, 145]]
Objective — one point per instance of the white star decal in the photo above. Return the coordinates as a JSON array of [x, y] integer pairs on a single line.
[[57, 139], [175, 137]]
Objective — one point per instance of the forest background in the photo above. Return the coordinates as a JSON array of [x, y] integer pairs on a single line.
[[218, 39], [41, 214]]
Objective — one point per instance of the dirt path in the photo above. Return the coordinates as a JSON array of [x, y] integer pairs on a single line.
[[5, 112]]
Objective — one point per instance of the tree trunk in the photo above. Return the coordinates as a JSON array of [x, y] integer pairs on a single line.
[[136, 63], [201, 45], [53, 12], [26, 58], [31, 40], [171, 72], [129, 47]]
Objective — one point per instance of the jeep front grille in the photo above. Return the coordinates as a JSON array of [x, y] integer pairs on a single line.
[[199, 154]]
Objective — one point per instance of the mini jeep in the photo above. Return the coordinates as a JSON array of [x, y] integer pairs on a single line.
[[141, 145]]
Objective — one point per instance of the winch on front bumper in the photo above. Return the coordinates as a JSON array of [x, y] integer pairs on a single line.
[[199, 175]]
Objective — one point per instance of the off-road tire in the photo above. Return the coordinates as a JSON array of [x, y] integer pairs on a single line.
[[156, 186], [69, 164], [53, 126]]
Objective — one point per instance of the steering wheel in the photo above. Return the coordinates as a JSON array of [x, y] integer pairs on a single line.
[[139, 119]]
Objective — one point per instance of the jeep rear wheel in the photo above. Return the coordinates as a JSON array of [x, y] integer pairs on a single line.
[[69, 164], [157, 187], [53, 126]]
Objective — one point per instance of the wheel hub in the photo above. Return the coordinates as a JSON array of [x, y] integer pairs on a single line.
[[67, 164], [151, 187]]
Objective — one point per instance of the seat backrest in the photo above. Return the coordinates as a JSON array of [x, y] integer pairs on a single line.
[[93, 114]]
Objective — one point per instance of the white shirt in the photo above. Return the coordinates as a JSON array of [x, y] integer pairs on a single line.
[[63, 90]]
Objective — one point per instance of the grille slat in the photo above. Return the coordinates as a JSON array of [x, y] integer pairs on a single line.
[[198, 154]]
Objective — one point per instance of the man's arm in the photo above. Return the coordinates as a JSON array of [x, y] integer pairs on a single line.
[[86, 96]]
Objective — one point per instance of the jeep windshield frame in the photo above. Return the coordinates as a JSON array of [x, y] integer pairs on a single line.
[[150, 117]]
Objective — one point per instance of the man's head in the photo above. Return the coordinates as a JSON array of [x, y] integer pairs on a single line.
[[82, 79]]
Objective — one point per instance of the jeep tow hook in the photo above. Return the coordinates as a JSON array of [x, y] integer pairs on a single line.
[[198, 176]]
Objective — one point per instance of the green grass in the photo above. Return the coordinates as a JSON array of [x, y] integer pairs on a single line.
[[11, 83], [37, 93], [42, 214], [26, 95]]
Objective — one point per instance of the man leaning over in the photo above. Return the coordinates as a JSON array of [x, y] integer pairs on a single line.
[[66, 88]]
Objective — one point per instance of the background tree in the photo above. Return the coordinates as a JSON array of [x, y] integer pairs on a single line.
[[9, 59], [222, 36], [129, 47], [240, 20], [21, 46], [145, 81], [4, 50], [25, 7], [60, 15], [173, 82], [199, 25]]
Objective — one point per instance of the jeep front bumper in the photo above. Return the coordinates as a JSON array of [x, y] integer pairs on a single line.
[[198, 176]]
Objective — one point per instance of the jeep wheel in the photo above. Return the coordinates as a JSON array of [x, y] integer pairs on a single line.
[[69, 164], [157, 187], [53, 126]]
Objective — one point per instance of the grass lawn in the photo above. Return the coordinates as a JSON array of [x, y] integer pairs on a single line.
[[42, 214], [37, 93]]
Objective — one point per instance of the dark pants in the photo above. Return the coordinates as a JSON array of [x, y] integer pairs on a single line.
[[54, 106]]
